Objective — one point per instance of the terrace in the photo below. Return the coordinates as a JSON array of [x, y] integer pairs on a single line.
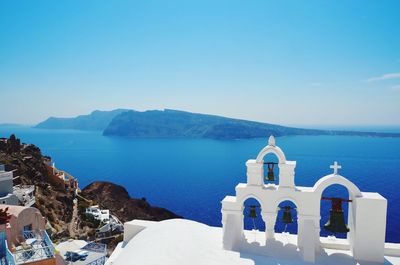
[[25, 194], [82, 253], [33, 246]]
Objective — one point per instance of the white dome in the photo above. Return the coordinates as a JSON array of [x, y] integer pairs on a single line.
[[178, 242], [184, 242]]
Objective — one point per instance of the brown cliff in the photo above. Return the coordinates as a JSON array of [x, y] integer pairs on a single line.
[[115, 198], [56, 203]]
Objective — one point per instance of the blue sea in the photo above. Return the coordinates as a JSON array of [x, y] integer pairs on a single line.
[[191, 176]]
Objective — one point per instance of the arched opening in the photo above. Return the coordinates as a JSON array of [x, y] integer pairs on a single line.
[[271, 169], [286, 220], [253, 224], [334, 211]]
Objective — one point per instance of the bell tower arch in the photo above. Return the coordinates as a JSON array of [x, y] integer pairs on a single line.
[[255, 167]]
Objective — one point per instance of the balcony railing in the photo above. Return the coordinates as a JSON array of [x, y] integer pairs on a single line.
[[9, 256], [96, 247], [34, 254], [40, 248], [99, 261]]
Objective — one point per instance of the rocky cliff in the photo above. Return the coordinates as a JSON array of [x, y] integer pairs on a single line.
[[95, 121], [28, 164], [56, 203], [117, 200]]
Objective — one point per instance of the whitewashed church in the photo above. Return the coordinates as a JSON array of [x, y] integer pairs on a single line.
[[183, 242]]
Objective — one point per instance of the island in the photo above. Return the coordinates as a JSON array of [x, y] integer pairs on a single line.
[[171, 123]]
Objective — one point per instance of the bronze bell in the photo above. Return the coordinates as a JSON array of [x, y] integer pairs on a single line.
[[287, 215], [252, 213], [270, 176], [336, 223]]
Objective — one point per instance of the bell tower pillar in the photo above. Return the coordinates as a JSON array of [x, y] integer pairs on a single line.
[[286, 174], [369, 227], [232, 223], [308, 236], [269, 219], [255, 173]]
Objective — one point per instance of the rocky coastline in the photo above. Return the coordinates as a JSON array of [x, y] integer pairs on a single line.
[[57, 203]]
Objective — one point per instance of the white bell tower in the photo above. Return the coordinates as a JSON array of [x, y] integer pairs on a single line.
[[367, 212]]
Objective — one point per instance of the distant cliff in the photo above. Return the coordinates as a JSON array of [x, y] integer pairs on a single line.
[[95, 121], [173, 123], [115, 198], [181, 124]]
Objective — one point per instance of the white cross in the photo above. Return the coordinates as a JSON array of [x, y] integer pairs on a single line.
[[335, 168]]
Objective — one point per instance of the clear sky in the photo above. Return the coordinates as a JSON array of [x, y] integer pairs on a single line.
[[285, 62]]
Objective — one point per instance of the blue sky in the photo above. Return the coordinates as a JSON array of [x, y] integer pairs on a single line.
[[287, 62]]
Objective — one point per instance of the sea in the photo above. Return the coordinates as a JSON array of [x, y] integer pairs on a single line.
[[191, 176]]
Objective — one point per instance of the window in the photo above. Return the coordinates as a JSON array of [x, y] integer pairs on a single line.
[[28, 227]]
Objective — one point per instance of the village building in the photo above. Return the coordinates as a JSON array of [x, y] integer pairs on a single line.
[[98, 214], [23, 238], [60, 178], [80, 252], [112, 226], [110, 223], [15, 195]]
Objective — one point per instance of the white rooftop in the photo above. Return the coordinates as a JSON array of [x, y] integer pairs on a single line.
[[74, 245], [70, 245], [183, 242]]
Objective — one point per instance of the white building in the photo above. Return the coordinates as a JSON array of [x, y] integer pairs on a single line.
[[25, 194], [24, 240], [80, 252], [181, 242], [6, 188], [114, 225], [98, 214], [15, 195], [111, 223]]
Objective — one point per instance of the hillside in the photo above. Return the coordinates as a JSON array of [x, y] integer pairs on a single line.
[[115, 198], [57, 203], [28, 163], [175, 124], [95, 121]]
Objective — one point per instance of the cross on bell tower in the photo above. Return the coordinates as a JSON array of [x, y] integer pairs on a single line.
[[335, 168]]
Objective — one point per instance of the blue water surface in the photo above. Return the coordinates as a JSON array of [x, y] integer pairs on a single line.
[[191, 176]]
